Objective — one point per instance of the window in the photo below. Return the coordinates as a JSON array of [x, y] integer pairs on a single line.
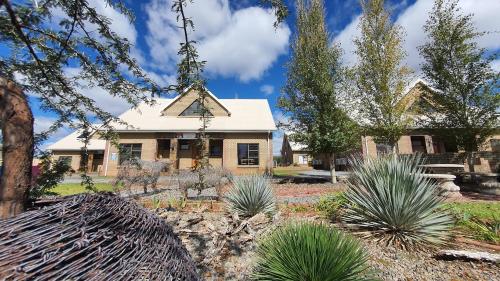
[[215, 148], [66, 159], [418, 144], [248, 154], [184, 144], [383, 149], [129, 151], [194, 110]]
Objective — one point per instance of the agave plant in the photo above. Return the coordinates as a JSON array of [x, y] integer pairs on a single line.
[[251, 195], [309, 251], [390, 198]]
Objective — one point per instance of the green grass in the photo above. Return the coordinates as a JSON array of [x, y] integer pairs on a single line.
[[288, 171], [480, 210], [479, 220], [65, 189]]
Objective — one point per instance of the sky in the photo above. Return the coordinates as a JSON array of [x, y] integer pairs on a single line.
[[246, 56]]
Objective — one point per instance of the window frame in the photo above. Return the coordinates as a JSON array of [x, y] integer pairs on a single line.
[[68, 159], [195, 112], [248, 160], [215, 143], [122, 157]]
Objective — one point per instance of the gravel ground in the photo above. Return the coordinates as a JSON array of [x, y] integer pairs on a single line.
[[390, 263], [225, 253]]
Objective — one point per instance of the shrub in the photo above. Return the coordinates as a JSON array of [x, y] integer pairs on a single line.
[[332, 205], [251, 195], [52, 173], [215, 178], [390, 197], [309, 251]]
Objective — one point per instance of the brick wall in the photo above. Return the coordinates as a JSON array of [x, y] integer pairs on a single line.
[[183, 160], [230, 152]]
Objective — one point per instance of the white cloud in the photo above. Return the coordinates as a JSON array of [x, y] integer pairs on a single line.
[[413, 19], [111, 104], [267, 89], [241, 43], [496, 65], [346, 39]]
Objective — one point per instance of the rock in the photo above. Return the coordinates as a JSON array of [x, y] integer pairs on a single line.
[[468, 255], [258, 220]]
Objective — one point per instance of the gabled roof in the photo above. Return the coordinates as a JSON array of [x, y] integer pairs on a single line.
[[246, 115], [72, 142], [295, 146], [218, 101]]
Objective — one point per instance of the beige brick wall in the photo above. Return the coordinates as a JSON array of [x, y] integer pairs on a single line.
[[75, 157], [230, 153], [148, 141], [185, 101], [229, 159]]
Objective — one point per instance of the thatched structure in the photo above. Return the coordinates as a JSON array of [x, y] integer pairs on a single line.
[[92, 237]]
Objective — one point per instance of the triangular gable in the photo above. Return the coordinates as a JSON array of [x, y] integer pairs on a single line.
[[418, 92], [186, 100]]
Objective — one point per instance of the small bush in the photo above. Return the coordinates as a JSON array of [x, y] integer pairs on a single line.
[[390, 198], [251, 195], [332, 205], [203, 179], [309, 251]]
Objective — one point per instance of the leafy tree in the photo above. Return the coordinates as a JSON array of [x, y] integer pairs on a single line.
[[381, 77], [52, 173], [40, 48], [189, 74], [467, 98], [314, 81]]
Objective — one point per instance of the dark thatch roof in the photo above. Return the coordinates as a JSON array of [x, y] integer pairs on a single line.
[[92, 237]]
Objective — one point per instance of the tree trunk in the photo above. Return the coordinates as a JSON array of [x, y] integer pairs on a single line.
[[17, 154], [332, 168]]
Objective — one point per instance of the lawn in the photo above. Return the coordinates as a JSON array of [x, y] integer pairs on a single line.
[[65, 189], [289, 171], [479, 220]]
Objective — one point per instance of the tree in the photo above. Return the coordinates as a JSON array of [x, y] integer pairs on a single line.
[[189, 74], [313, 84], [41, 46], [381, 77], [466, 101]]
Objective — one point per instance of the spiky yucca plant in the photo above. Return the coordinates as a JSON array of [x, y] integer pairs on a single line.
[[309, 251], [391, 199], [251, 195]]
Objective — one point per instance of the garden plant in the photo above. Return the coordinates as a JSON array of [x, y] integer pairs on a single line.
[[392, 200]]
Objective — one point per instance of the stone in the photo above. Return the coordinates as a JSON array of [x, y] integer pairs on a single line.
[[468, 255]]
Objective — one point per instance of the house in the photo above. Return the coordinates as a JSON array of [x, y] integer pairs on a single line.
[[294, 153], [68, 149], [239, 133], [423, 140]]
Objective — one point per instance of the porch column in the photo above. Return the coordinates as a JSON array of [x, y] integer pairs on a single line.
[[428, 144], [174, 146]]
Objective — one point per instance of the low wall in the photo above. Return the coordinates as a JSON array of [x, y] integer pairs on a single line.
[[485, 162]]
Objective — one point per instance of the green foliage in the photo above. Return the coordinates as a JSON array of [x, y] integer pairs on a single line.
[[251, 195], [480, 220], [156, 202], [56, 55], [314, 83], [309, 251], [51, 174], [380, 75], [390, 198], [65, 189], [332, 205], [467, 98]]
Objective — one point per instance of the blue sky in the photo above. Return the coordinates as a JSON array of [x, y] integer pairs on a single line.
[[245, 55]]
